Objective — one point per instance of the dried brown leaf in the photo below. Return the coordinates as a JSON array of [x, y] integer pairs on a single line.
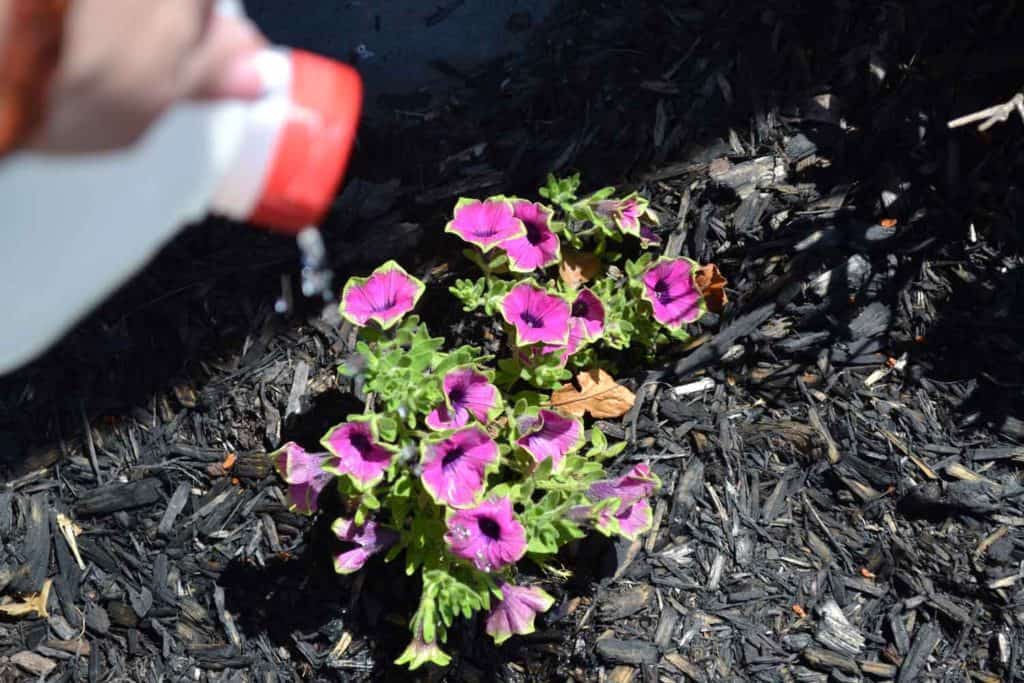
[[578, 267], [711, 284], [595, 392]]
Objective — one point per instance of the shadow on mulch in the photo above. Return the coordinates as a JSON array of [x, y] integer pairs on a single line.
[[212, 288]]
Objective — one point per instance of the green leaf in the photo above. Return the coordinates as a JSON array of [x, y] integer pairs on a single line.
[[387, 428]]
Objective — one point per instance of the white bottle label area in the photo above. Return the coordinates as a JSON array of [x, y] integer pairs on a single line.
[[74, 228]]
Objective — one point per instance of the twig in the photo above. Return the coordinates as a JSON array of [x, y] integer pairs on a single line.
[[992, 115], [90, 446]]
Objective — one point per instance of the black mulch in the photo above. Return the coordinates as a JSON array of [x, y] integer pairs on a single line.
[[841, 448]]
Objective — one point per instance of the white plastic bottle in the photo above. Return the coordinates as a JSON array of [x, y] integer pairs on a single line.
[[74, 228]]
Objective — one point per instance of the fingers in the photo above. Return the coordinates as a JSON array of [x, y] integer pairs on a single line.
[[221, 66]]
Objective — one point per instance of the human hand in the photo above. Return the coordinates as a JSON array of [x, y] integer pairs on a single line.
[[125, 62]]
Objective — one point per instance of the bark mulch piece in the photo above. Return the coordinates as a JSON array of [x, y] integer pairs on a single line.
[[841, 446]]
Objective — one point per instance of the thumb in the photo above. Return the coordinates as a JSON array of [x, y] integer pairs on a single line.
[[222, 67]]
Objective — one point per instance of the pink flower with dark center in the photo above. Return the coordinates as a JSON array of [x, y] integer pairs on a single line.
[[468, 395], [626, 212], [539, 247], [455, 469], [632, 516], [488, 535], [485, 224], [385, 296], [538, 317], [307, 474], [586, 323], [359, 455], [364, 542], [670, 287], [549, 435], [515, 614]]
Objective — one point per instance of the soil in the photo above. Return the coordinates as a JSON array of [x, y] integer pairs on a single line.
[[841, 447]]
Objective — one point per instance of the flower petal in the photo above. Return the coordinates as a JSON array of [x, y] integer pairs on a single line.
[[539, 247], [385, 296], [638, 483], [551, 436], [488, 535], [295, 465], [368, 540], [485, 224], [516, 612], [536, 315], [455, 468], [303, 496], [419, 652], [634, 519], [359, 455], [670, 288]]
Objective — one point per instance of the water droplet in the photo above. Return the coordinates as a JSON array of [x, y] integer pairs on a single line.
[[316, 276]]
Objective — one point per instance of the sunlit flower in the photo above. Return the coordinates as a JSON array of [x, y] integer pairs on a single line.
[[586, 323], [469, 395], [488, 535], [625, 212], [549, 435], [485, 224], [305, 475], [515, 614], [628, 521], [385, 296], [670, 287], [632, 516], [536, 315], [455, 468], [639, 482], [359, 455], [539, 247], [366, 540]]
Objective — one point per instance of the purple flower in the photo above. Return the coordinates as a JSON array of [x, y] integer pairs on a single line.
[[385, 296], [303, 497], [628, 521], [488, 535], [359, 455], [549, 435], [649, 238], [455, 468], [586, 323], [626, 212], [468, 395], [632, 516], [485, 224], [307, 474], [670, 287], [368, 540], [515, 613], [638, 483], [539, 247], [536, 315]]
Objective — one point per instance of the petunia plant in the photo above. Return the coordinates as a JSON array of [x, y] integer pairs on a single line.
[[458, 467]]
